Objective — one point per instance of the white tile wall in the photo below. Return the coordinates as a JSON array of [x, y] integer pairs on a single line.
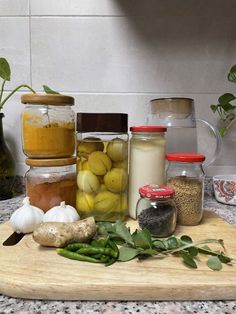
[[116, 55], [14, 7], [175, 54], [15, 46]]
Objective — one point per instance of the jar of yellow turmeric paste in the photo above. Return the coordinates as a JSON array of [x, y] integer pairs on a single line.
[[48, 126]]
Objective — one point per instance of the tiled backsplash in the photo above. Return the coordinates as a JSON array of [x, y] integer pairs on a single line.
[[116, 55]]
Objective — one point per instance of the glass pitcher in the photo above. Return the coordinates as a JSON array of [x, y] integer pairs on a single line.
[[178, 115]]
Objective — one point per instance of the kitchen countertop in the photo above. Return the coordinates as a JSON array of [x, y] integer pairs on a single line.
[[12, 305]]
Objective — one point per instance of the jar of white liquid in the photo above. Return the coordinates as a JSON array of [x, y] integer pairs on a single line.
[[147, 160]]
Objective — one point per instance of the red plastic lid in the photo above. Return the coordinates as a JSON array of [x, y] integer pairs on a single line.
[[154, 191], [148, 128], [185, 157]]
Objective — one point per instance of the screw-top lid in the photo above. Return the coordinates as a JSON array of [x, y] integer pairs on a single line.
[[47, 99], [50, 162], [102, 122], [185, 157], [148, 128], [154, 191]]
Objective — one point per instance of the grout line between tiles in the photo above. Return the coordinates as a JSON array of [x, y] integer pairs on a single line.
[[30, 44], [126, 93]]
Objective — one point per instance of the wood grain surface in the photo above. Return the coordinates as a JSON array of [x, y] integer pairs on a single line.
[[33, 272]]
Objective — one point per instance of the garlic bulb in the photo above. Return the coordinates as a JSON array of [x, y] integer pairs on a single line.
[[26, 218], [61, 213]]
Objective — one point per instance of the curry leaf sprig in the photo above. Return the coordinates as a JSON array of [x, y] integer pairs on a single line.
[[225, 107], [142, 245]]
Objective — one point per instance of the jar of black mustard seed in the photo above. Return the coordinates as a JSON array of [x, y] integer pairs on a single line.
[[156, 210]]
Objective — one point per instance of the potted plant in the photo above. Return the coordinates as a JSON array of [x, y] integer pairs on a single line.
[[7, 164], [225, 108]]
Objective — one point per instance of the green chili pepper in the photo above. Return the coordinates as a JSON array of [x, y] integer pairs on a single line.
[[97, 250], [76, 256], [99, 243], [75, 246]]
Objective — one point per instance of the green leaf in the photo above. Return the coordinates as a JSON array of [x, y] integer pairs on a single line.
[[224, 259], [232, 74], [188, 260], [226, 98], [227, 107], [214, 108], [214, 263], [148, 252], [193, 251], [186, 239], [123, 232], [223, 131], [127, 253], [48, 90], [142, 238], [5, 71], [159, 245], [104, 228], [172, 243]]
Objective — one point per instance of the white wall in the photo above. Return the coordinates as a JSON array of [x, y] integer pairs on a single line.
[[114, 56]]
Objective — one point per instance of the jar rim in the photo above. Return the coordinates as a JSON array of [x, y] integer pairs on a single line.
[[148, 129], [155, 191], [50, 162], [47, 99], [185, 157]]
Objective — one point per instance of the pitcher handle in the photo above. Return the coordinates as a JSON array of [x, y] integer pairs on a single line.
[[218, 140]]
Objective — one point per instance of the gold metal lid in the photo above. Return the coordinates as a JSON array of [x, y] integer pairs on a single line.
[[47, 99], [50, 162]]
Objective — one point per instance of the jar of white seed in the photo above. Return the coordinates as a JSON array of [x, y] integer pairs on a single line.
[[185, 174]]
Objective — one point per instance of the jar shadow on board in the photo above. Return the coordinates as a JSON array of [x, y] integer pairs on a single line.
[[156, 211]]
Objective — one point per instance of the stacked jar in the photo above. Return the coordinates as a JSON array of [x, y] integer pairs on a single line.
[[48, 139], [102, 165]]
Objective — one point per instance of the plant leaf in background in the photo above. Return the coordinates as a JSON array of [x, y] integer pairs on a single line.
[[5, 71], [214, 263], [48, 90], [225, 108], [232, 74]]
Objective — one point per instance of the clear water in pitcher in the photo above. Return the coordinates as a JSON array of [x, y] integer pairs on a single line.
[[181, 139]]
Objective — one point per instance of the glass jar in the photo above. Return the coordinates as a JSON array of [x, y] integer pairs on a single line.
[[51, 181], [147, 160], [48, 126], [102, 165], [156, 211], [185, 174]]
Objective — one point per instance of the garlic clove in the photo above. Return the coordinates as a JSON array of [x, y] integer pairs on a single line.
[[61, 213], [26, 218]]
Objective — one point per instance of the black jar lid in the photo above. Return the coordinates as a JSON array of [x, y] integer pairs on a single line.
[[102, 122]]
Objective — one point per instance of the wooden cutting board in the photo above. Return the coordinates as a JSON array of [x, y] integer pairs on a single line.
[[33, 272]]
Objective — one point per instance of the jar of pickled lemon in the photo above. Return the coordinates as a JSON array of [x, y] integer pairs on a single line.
[[102, 165], [48, 126]]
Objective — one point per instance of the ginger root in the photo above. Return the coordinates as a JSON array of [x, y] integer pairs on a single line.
[[59, 234]]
